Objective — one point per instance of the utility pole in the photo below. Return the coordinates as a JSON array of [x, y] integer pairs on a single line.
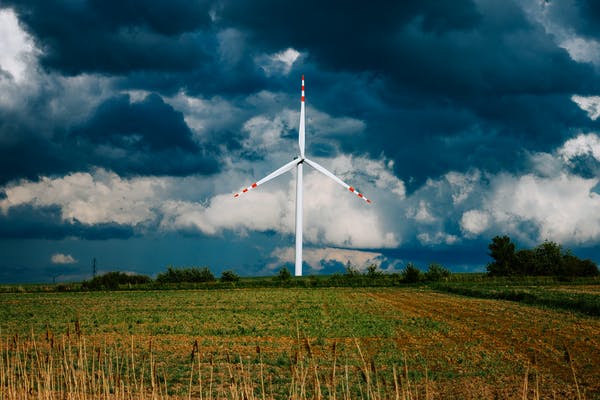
[[94, 267]]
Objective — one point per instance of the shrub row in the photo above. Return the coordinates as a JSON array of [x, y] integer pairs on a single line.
[[112, 280], [580, 302], [182, 278]]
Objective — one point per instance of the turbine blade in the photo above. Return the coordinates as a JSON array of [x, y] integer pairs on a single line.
[[272, 175], [325, 172], [301, 133]]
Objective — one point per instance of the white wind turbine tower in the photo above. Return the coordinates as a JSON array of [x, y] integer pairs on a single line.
[[298, 162]]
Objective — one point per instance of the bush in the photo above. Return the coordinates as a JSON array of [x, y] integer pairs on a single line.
[[436, 273], [229, 276], [112, 280], [64, 287], [284, 275], [178, 275]]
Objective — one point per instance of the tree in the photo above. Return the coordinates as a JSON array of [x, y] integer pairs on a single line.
[[502, 250], [229, 276], [526, 262], [574, 266], [411, 274], [588, 268], [547, 259]]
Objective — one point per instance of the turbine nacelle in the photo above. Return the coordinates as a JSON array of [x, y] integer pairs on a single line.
[[298, 162]]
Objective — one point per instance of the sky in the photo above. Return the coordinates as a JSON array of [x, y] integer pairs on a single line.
[[127, 126]]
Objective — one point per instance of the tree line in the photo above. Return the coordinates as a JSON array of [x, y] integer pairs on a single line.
[[546, 259], [172, 277]]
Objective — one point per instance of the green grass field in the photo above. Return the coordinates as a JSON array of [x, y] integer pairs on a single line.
[[357, 342]]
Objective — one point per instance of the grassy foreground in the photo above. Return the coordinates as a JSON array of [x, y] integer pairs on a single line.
[[292, 343]]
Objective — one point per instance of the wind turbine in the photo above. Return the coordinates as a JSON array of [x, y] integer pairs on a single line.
[[298, 163]]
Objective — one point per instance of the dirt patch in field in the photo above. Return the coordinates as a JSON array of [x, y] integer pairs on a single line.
[[550, 347]]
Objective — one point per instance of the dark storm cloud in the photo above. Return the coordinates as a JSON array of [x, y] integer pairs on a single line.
[[146, 137], [338, 33], [27, 222], [149, 125], [589, 12], [463, 82], [167, 17], [109, 37], [451, 48], [28, 158], [20, 274], [131, 138], [455, 84], [160, 46], [439, 86]]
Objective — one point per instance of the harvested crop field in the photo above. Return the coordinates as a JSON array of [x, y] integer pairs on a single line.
[[415, 342]]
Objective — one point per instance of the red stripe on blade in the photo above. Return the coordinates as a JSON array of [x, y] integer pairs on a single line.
[[254, 185], [351, 189]]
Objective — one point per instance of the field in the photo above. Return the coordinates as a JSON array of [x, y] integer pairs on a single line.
[[300, 343]]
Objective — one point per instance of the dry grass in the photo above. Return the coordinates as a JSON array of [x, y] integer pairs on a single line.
[[71, 367]]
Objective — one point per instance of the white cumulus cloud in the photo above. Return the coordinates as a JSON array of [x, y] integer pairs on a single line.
[[90, 198], [562, 208], [17, 49], [375, 172], [435, 238], [474, 222], [332, 216], [591, 104], [264, 133], [204, 115], [421, 213], [60, 258], [581, 145], [278, 63], [582, 49]]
